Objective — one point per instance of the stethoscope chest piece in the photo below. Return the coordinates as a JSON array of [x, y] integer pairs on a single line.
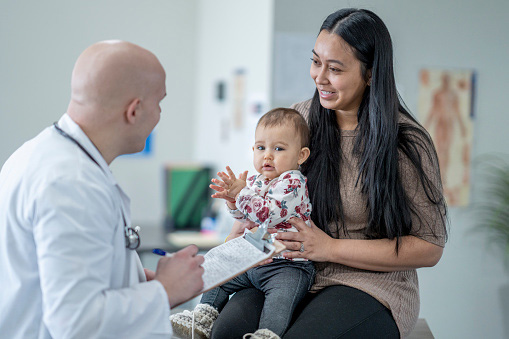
[[132, 237]]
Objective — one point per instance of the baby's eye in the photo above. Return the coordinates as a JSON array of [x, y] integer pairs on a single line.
[[279, 149], [260, 148]]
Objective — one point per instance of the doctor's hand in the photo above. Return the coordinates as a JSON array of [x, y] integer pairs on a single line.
[[149, 274], [181, 275]]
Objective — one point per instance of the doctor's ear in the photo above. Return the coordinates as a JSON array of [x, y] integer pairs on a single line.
[[130, 112]]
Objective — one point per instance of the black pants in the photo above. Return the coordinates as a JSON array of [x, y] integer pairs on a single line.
[[334, 312]]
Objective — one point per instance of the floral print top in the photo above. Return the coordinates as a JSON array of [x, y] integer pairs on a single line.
[[274, 201]]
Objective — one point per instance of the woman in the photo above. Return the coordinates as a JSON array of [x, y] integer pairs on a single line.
[[374, 183]]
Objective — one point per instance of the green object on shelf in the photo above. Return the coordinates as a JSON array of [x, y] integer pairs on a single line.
[[187, 196]]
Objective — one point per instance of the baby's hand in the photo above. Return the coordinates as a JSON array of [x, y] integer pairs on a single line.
[[229, 186]]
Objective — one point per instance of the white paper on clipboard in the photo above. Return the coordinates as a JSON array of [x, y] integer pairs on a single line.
[[228, 260]]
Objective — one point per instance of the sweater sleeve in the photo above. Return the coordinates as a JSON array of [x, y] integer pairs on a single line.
[[428, 218], [286, 197]]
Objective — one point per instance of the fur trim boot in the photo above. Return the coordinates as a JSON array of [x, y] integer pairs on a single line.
[[204, 317], [263, 333]]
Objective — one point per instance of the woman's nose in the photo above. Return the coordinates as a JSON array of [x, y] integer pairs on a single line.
[[321, 76]]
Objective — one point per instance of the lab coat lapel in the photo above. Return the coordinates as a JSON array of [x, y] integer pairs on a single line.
[[72, 128], [134, 270]]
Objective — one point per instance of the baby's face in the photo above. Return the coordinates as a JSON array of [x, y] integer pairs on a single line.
[[276, 150]]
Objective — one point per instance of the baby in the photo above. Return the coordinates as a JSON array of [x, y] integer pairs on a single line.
[[276, 194]]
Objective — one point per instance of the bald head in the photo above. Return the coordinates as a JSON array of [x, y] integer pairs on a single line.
[[110, 73], [116, 88]]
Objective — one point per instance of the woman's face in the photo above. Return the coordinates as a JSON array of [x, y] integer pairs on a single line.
[[337, 74]]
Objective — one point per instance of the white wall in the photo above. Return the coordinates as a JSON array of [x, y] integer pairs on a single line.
[[39, 42], [460, 297], [232, 35]]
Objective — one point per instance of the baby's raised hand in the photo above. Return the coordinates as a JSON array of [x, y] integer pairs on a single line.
[[229, 186]]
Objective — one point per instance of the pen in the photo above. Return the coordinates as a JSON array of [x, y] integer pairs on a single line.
[[159, 251]]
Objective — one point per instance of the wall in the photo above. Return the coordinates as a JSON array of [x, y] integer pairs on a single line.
[[232, 35], [40, 40], [464, 295]]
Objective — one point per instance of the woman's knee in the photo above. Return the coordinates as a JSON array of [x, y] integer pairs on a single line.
[[336, 312], [240, 315]]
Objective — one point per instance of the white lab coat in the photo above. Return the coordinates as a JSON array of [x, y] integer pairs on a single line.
[[64, 269]]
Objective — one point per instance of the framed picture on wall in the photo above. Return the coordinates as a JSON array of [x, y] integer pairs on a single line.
[[446, 111]]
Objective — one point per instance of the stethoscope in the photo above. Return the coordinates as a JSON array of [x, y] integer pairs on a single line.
[[132, 235]]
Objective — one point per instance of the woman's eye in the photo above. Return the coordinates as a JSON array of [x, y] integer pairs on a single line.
[[334, 69], [314, 62]]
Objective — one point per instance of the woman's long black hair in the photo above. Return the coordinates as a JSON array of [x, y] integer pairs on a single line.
[[380, 142]]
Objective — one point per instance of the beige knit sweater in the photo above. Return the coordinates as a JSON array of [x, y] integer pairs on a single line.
[[398, 291]]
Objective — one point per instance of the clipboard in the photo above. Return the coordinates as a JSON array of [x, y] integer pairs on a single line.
[[226, 261]]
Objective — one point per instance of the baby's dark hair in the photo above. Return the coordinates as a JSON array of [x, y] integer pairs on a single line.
[[281, 116]]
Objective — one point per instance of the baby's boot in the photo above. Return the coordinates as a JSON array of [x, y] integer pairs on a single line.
[[204, 317], [263, 333]]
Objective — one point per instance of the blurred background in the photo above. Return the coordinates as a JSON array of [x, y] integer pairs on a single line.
[[229, 61]]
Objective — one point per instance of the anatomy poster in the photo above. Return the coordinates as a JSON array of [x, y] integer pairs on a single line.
[[445, 110]]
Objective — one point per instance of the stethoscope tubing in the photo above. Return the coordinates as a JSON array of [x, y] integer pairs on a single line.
[[132, 236]]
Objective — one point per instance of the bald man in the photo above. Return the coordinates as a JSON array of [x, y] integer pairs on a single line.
[[66, 267]]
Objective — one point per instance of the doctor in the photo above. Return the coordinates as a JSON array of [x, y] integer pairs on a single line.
[[66, 269]]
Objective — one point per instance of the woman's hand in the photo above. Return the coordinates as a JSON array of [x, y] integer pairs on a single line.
[[239, 227], [316, 244]]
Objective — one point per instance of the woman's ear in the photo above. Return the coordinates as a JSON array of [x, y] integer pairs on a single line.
[[130, 112], [303, 155], [368, 76]]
